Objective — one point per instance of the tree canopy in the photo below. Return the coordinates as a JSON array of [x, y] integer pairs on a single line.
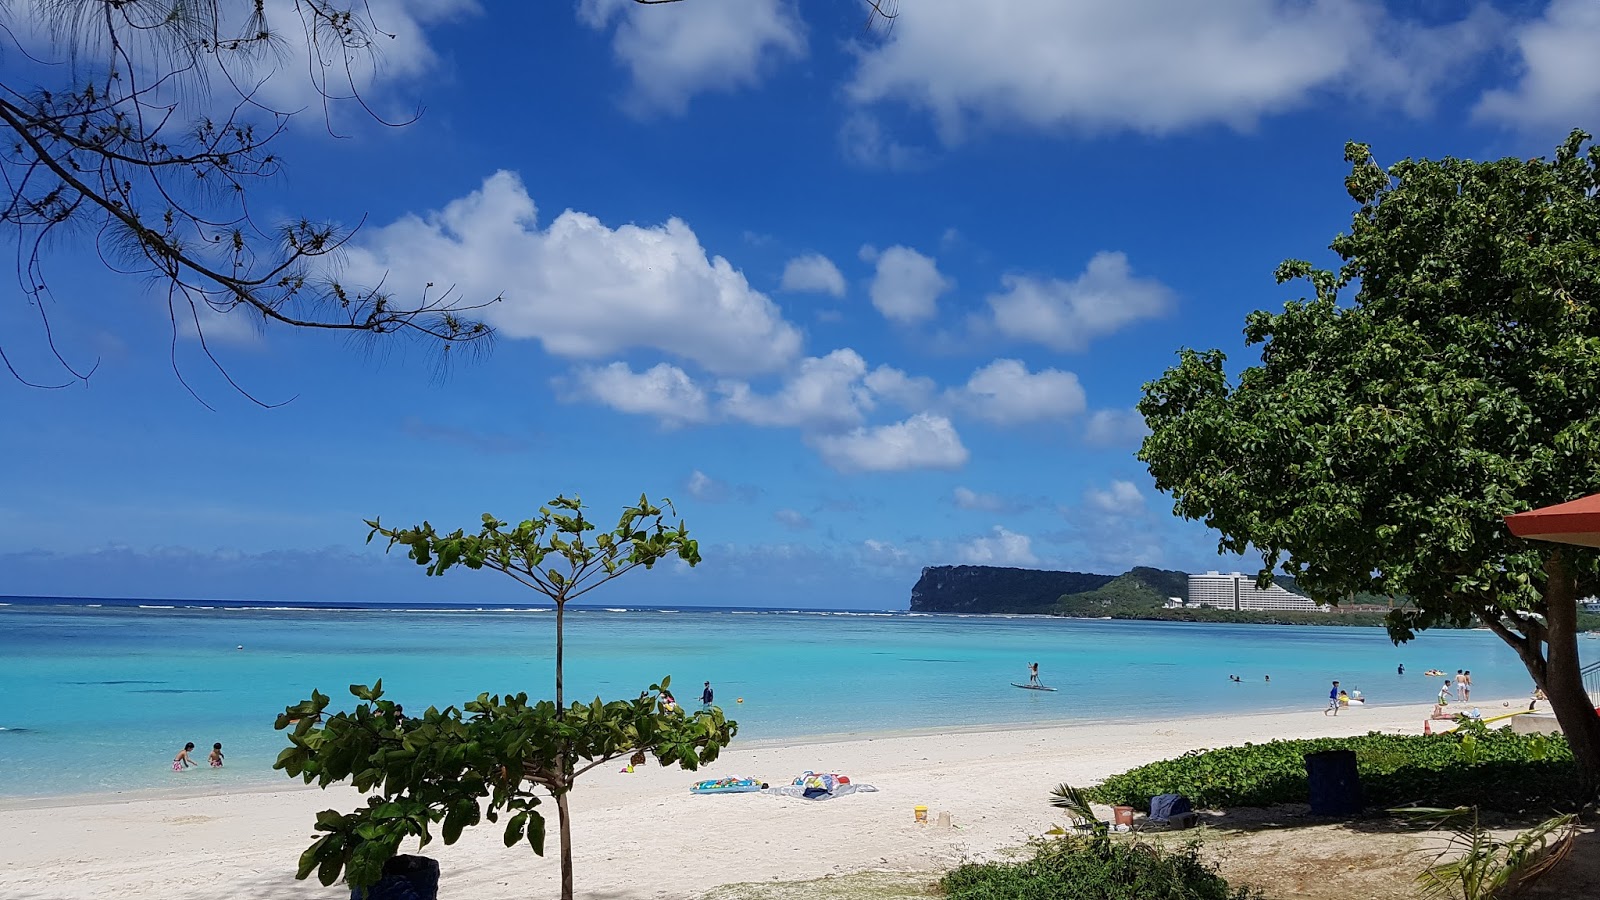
[[455, 767], [1445, 375]]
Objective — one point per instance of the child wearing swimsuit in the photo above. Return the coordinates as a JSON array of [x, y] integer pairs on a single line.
[[216, 755]]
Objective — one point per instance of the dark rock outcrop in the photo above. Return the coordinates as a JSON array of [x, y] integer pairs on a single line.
[[995, 589]]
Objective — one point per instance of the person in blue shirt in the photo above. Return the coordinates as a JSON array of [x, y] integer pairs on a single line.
[[1333, 700]]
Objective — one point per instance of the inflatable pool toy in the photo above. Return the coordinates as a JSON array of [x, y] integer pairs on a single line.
[[1032, 687], [740, 700], [1434, 672], [727, 786]]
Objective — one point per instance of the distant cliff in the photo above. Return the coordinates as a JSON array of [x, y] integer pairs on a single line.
[[993, 589]]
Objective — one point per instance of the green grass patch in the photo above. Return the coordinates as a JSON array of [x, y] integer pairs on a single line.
[[1094, 869], [1493, 770]]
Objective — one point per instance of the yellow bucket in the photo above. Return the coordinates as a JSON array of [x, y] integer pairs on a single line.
[[919, 813]]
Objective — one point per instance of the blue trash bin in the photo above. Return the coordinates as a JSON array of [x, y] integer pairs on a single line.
[[404, 878], [1334, 783]]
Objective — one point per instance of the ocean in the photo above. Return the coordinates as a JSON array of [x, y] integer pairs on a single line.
[[98, 698]]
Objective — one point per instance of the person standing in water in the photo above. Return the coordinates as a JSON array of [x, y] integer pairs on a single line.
[[706, 695], [1033, 673], [1401, 669], [1465, 686], [216, 755], [182, 760]]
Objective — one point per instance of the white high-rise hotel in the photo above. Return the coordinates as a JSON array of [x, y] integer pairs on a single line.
[[1237, 591]]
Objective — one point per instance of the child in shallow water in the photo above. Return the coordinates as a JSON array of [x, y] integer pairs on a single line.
[[216, 755], [182, 760]]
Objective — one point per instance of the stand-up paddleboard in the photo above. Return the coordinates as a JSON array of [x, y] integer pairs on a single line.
[[1032, 687]]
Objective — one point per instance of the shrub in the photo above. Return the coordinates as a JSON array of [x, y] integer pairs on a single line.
[[1496, 770], [1094, 869]]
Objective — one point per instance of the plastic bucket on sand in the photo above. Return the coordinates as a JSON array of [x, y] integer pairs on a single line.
[[1122, 815], [919, 813]]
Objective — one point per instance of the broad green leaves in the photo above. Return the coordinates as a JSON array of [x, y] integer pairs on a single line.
[[1382, 437], [452, 768], [557, 552]]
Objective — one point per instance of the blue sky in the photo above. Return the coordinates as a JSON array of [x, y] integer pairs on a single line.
[[858, 302]]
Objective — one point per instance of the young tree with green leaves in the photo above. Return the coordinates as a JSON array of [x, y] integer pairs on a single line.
[[493, 756], [1383, 436]]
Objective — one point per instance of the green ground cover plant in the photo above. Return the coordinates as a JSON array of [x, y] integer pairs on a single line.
[[1094, 868], [1493, 770]]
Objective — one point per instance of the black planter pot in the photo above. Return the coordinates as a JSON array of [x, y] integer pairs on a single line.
[[404, 878]]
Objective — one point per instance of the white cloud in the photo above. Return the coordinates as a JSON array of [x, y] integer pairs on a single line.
[[863, 141], [1003, 548], [663, 391], [702, 486], [907, 285], [824, 392], [967, 498], [579, 288], [924, 441], [1559, 83], [813, 274], [792, 520], [1067, 315], [706, 489], [883, 553], [1121, 498], [1155, 67], [1114, 428], [677, 50], [895, 386], [1006, 393]]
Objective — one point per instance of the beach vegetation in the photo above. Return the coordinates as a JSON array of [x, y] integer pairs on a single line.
[[1474, 864], [497, 756], [1096, 867], [1495, 769], [1444, 376]]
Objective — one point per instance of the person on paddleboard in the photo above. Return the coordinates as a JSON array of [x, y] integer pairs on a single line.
[[1033, 673]]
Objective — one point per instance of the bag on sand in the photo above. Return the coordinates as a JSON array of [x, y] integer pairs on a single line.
[[404, 878], [1168, 806]]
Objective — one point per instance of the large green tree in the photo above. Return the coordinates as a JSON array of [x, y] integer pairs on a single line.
[[495, 755], [1445, 375]]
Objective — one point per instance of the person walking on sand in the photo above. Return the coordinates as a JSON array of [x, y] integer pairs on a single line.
[[1444, 692], [216, 755], [1333, 700], [706, 695], [1033, 673], [182, 760]]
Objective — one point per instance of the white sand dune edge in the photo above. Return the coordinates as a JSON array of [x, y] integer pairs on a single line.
[[642, 835]]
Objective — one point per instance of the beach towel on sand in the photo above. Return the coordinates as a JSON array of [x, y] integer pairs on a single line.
[[819, 786]]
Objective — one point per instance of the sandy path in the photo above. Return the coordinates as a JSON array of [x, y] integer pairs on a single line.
[[642, 835]]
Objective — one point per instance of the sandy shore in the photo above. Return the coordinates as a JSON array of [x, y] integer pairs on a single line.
[[642, 835]]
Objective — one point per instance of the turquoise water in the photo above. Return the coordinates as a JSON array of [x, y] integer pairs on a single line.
[[100, 699]]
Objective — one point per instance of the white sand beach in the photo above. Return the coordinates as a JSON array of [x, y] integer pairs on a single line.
[[642, 835]]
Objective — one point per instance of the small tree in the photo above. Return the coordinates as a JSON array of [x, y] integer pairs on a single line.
[[1381, 441], [443, 766]]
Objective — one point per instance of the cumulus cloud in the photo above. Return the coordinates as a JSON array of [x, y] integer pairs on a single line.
[[907, 285], [813, 273], [1114, 428], [895, 386], [1120, 498], [1006, 393], [924, 441], [1559, 82], [1067, 315], [677, 50], [663, 391], [1002, 548], [580, 288], [824, 392], [1154, 67], [864, 141]]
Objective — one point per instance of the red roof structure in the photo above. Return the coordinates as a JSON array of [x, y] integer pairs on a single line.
[[1576, 522]]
